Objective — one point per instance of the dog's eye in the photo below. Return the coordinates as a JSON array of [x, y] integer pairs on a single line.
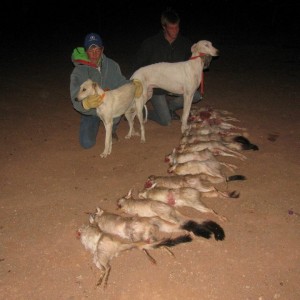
[[84, 90]]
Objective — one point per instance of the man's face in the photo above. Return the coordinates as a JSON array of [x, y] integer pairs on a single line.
[[94, 53], [171, 30]]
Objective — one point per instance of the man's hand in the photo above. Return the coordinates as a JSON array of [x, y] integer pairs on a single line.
[[92, 102]]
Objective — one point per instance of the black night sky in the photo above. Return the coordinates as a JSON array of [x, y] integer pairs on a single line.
[[64, 22]]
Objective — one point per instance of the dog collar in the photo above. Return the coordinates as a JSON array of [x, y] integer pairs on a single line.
[[101, 98], [200, 55], [202, 80]]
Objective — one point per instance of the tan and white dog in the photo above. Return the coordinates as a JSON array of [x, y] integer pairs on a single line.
[[179, 78], [115, 103]]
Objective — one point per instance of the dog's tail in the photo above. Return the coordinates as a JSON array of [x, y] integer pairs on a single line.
[[146, 113], [205, 229], [246, 144]]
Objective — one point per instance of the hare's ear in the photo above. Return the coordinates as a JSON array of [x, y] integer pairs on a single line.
[[153, 185], [129, 195], [99, 211], [92, 218]]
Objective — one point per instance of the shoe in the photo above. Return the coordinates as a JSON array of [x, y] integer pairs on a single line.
[[174, 116], [114, 137]]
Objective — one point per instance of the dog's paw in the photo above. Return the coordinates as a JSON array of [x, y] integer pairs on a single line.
[[103, 155]]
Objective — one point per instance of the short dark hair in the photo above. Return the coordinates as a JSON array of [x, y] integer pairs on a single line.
[[169, 16]]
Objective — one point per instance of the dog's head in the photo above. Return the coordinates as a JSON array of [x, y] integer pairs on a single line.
[[207, 50], [204, 47], [89, 88]]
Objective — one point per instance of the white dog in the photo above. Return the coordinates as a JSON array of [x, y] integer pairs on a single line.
[[179, 78], [115, 103]]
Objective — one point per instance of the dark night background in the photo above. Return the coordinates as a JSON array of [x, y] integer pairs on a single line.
[[61, 25]]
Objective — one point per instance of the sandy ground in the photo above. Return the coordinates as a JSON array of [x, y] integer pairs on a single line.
[[48, 183]]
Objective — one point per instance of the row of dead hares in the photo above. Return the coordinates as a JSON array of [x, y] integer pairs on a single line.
[[148, 220]]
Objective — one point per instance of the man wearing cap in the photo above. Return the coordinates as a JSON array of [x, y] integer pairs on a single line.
[[91, 63]]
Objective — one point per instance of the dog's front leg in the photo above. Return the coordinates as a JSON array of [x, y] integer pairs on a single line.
[[108, 139], [187, 102]]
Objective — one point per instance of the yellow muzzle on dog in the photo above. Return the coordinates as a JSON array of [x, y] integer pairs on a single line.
[[138, 88]]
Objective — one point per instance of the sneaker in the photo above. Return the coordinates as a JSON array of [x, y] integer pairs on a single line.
[[114, 137], [174, 116]]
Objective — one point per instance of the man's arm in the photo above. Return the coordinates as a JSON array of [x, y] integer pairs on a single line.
[[75, 82], [112, 76]]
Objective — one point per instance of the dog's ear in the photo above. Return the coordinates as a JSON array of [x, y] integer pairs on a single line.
[[194, 48], [98, 90], [206, 61], [94, 85]]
